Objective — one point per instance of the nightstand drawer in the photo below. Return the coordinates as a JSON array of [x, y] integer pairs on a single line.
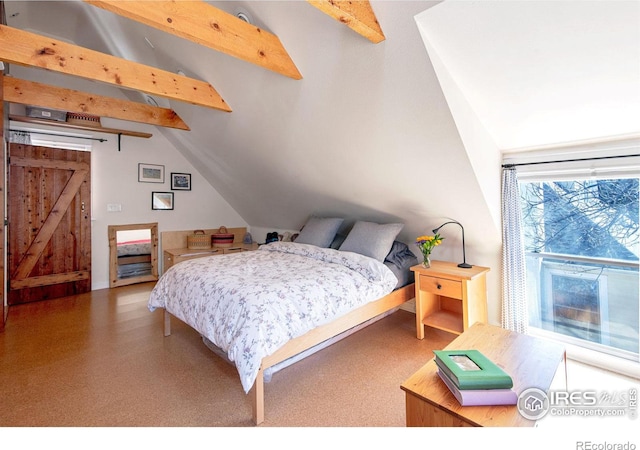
[[441, 286]]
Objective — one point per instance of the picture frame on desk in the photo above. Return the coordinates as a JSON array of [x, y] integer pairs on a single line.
[[470, 369]]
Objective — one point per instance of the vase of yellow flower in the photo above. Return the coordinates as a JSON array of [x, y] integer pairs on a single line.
[[426, 244]]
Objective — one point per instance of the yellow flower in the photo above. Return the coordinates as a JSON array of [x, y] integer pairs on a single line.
[[427, 243]]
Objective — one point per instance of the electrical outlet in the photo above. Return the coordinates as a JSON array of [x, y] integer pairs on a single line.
[[114, 207]]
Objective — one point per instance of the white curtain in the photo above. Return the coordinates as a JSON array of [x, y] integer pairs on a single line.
[[514, 301], [20, 137]]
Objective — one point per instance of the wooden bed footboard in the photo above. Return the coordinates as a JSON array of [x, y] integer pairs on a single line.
[[167, 323], [315, 337]]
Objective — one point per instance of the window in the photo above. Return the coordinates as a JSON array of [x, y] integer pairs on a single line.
[[581, 243], [65, 142], [43, 138]]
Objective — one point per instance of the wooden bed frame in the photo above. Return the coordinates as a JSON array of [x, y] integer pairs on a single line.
[[315, 337]]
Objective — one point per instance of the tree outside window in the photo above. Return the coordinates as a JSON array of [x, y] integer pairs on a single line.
[[581, 240]]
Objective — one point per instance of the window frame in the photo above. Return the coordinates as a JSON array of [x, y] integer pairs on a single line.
[[595, 160]]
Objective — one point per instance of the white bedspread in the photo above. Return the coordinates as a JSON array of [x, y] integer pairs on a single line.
[[251, 303]]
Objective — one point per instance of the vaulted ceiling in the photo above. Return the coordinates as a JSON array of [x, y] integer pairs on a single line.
[[355, 110], [542, 72]]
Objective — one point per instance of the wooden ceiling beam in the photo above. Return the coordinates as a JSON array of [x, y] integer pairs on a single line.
[[357, 15], [206, 25], [47, 96], [29, 49]]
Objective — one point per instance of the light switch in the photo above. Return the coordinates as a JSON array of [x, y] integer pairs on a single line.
[[114, 207]]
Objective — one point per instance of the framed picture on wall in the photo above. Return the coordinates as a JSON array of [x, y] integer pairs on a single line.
[[162, 200], [180, 181], [150, 173]]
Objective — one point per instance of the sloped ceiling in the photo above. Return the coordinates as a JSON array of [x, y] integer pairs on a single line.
[[543, 72], [367, 133]]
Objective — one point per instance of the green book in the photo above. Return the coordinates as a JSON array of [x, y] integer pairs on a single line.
[[470, 369]]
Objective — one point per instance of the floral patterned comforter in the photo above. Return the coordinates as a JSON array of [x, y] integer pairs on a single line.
[[251, 303]]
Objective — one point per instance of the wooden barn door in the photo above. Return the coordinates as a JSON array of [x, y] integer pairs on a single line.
[[4, 125], [49, 242]]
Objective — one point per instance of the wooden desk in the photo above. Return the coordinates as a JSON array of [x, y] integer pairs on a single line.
[[176, 255], [175, 248], [531, 362]]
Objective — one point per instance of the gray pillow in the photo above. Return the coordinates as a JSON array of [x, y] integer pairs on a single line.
[[337, 241], [371, 239], [401, 256], [319, 231]]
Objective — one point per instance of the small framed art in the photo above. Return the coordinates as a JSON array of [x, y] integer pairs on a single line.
[[470, 369], [162, 200], [180, 181], [150, 173]]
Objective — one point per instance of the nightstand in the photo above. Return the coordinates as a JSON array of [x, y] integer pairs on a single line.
[[449, 298]]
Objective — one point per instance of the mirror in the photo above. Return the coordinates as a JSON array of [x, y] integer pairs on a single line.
[[133, 254]]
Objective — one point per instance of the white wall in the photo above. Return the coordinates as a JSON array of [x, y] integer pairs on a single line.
[[115, 181]]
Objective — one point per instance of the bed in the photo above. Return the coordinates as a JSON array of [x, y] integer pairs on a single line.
[[263, 309]]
